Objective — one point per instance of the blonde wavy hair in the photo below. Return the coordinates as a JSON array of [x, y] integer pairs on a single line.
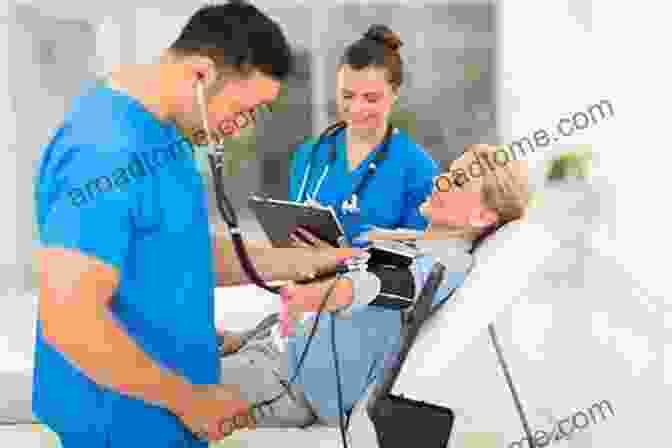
[[505, 189]]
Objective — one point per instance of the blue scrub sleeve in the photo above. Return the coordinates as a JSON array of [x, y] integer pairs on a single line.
[[419, 186], [87, 212]]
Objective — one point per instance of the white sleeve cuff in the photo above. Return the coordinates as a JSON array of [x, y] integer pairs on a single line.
[[365, 288]]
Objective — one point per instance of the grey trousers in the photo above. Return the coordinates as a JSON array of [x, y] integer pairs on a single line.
[[261, 371]]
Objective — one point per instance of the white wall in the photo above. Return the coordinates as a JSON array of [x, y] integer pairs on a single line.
[[637, 76], [608, 336], [115, 41], [47, 60], [547, 70], [8, 255]]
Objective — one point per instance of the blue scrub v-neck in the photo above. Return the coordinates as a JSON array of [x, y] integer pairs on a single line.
[[342, 164], [342, 156], [341, 183]]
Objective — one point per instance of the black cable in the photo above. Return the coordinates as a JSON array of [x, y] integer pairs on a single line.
[[231, 219], [229, 216], [339, 392], [509, 381], [305, 350]]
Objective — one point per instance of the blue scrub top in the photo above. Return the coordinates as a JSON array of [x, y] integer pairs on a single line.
[[119, 185], [392, 195]]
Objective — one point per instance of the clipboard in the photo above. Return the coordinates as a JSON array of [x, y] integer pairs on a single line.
[[280, 218]]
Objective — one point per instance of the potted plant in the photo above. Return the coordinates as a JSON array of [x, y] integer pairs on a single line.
[[570, 165]]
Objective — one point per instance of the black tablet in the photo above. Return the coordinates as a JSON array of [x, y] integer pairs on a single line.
[[281, 218]]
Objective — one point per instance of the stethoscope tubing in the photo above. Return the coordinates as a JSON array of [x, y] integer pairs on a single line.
[[302, 194], [304, 182]]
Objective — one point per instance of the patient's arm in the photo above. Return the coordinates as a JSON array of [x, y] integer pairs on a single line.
[[392, 235], [273, 263], [308, 297]]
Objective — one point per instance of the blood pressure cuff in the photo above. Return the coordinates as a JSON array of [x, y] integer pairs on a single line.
[[384, 286], [397, 287]]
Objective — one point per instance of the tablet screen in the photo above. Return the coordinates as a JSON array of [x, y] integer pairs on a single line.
[[279, 219]]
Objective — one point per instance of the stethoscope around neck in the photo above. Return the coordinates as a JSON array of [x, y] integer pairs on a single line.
[[349, 205]]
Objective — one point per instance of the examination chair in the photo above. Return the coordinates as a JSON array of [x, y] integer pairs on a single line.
[[504, 263]]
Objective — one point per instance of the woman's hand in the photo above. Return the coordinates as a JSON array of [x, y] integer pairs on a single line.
[[309, 297], [306, 240]]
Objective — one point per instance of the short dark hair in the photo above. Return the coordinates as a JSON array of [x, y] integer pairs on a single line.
[[378, 47], [237, 35]]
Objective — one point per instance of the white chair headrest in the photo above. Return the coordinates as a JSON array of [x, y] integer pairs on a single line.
[[504, 263]]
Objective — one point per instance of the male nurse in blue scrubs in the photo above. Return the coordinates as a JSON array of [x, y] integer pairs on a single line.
[[126, 349]]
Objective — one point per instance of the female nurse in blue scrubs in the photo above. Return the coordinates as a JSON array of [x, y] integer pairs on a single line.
[[373, 175]]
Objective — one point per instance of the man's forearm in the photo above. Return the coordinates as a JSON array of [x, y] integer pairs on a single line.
[[272, 263], [110, 357]]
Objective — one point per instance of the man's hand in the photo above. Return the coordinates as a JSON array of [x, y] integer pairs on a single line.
[[214, 411], [231, 342], [323, 262], [276, 264]]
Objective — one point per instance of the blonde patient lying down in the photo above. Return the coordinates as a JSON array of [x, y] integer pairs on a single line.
[[367, 337]]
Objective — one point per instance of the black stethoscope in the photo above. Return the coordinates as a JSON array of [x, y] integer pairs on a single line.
[[349, 205], [216, 157]]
